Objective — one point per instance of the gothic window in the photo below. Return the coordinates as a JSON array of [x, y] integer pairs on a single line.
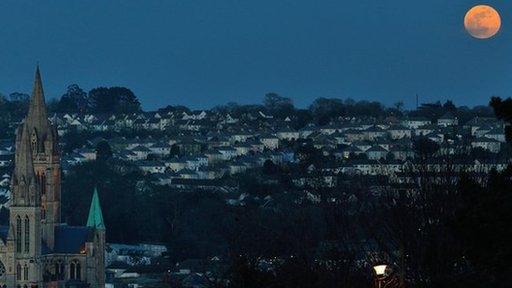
[[41, 179], [59, 270], [27, 234], [72, 274], [34, 141], [2, 269], [43, 184], [74, 270], [25, 272], [78, 271], [18, 234], [18, 272]]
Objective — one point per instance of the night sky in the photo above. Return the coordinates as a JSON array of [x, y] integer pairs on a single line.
[[205, 53]]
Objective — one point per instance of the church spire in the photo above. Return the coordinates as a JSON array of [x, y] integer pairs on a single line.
[[37, 92], [95, 219], [37, 116]]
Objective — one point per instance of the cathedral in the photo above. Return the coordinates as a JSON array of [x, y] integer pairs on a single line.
[[36, 248]]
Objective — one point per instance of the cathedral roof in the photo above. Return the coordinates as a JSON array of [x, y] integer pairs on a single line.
[[95, 219], [71, 239]]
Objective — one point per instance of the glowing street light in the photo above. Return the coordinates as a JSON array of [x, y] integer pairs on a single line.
[[380, 270], [380, 273]]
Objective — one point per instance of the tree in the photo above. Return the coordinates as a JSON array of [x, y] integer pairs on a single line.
[[425, 147], [279, 105], [325, 109], [503, 110], [103, 151], [449, 106], [113, 100], [483, 224], [175, 150], [399, 105], [74, 100], [269, 168]]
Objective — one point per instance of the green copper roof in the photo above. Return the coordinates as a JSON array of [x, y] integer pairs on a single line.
[[95, 218]]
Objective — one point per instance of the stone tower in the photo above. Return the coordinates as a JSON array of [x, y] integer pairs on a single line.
[[35, 208], [36, 249], [96, 268], [46, 159]]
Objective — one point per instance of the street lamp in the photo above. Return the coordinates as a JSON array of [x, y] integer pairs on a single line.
[[380, 270], [380, 273]]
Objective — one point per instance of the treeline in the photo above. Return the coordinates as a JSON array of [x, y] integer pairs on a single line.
[[324, 110], [98, 100], [75, 100]]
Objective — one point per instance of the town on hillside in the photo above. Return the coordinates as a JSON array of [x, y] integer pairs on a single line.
[[235, 158]]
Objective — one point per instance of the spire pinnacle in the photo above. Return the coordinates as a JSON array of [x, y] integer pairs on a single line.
[[37, 118], [37, 107], [95, 219], [37, 93]]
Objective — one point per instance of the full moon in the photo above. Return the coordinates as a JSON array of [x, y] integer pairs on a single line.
[[482, 21]]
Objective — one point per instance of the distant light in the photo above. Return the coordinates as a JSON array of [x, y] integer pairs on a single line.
[[380, 270]]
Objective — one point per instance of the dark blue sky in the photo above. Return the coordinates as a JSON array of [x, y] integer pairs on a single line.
[[205, 53]]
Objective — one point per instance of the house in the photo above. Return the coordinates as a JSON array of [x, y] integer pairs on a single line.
[[497, 134], [270, 141], [189, 146], [194, 162], [362, 145], [383, 142], [151, 166], [376, 152], [304, 132], [352, 135], [187, 174], [87, 153], [349, 151], [482, 130], [141, 152], [328, 129], [402, 153], [160, 149], [242, 149], [127, 155], [5, 160], [227, 153], [175, 164], [415, 122], [488, 144], [256, 147], [424, 130], [237, 167], [398, 132], [373, 132], [448, 119], [477, 122], [287, 133], [214, 156], [240, 137]]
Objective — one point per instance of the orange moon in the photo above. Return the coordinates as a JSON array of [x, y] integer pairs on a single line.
[[482, 21]]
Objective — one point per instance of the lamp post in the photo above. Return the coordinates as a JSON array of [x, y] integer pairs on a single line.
[[380, 274]]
